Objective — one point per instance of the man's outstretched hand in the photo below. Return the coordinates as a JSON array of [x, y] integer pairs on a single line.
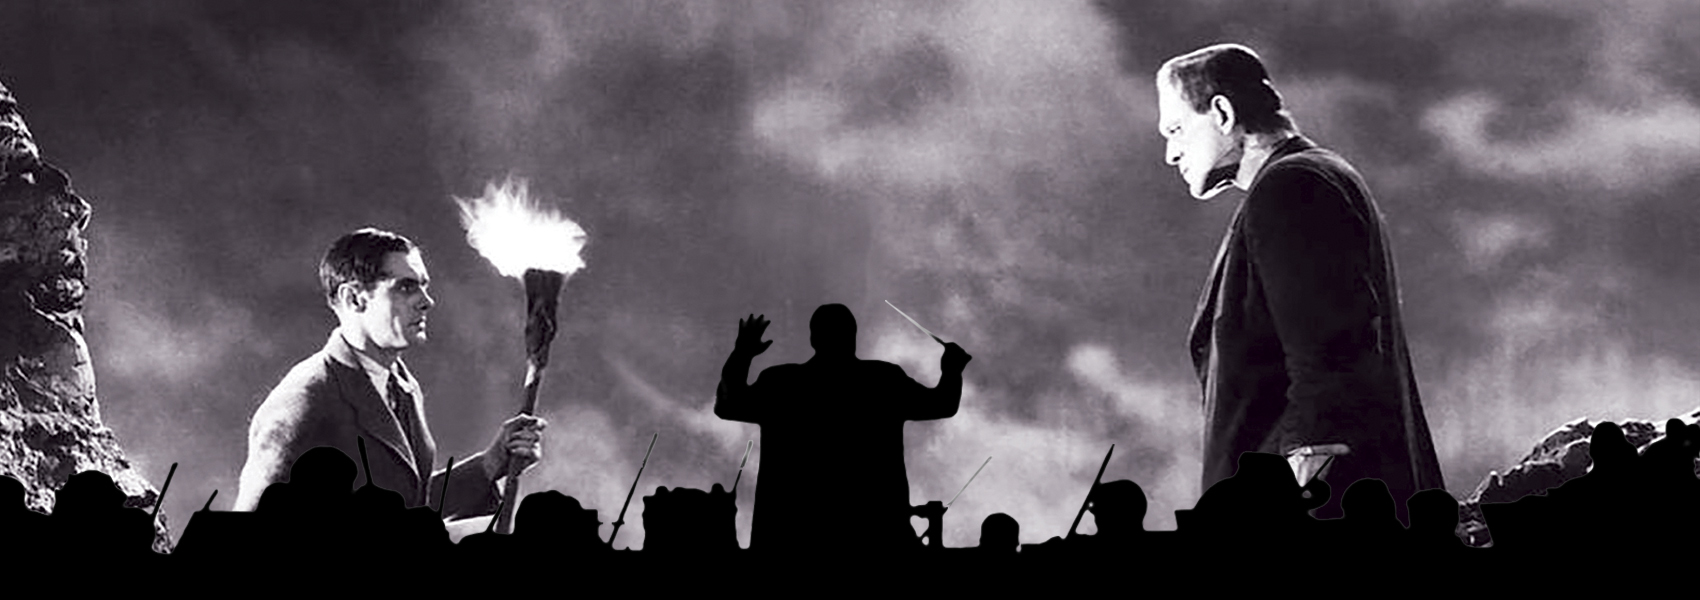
[[955, 358], [750, 331]]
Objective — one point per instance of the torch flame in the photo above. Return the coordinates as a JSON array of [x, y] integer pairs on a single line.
[[514, 233]]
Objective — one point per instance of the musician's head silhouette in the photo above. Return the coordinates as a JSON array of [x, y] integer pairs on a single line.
[[86, 493], [1263, 492], [999, 532], [1681, 434], [832, 331], [1610, 450], [1368, 502], [1118, 507], [322, 474], [553, 514], [1268, 476], [1673, 454]]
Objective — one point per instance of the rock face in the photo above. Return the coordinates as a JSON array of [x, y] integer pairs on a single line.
[[50, 423], [1560, 457]]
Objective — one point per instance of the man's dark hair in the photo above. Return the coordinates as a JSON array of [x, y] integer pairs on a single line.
[[358, 257], [1233, 72]]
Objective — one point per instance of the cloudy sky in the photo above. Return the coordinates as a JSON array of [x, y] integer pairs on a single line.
[[991, 167]]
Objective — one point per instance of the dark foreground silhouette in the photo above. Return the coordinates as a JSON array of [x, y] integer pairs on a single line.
[[317, 532]]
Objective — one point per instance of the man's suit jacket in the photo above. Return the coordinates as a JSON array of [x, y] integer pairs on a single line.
[[1298, 340], [328, 400]]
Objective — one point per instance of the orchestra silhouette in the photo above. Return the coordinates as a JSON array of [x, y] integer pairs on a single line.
[[1631, 510]]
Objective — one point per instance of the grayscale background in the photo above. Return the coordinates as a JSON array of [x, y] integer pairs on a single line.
[[991, 167]]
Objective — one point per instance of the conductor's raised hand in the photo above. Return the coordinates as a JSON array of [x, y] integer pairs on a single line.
[[955, 358], [750, 330]]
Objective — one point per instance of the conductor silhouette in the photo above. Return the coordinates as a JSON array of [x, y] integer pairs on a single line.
[[832, 429]]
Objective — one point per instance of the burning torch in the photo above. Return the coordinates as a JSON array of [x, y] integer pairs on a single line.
[[541, 248]]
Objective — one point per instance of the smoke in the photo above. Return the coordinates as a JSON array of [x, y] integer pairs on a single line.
[[958, 136], [693, 427], [1167, 427], [1043, 462], [1601, 147], [1488, 240], [580, 445]]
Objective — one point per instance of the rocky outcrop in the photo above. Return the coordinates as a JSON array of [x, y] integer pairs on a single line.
[[1561, 456], [50, 424]]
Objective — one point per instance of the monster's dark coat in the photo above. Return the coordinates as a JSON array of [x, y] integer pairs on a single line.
[[1298, 338]]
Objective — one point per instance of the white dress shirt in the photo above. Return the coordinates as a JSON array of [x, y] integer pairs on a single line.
[[380, 376]]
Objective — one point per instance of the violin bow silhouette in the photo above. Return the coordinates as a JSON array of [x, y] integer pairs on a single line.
[[741, 464], [1095, 480], [443, 497], [622, 519], [162, 490], [965, 485]]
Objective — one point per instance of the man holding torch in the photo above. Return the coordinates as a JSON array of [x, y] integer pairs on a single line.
[[358, 386]]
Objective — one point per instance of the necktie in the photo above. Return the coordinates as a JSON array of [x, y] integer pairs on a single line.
[[401, 403]]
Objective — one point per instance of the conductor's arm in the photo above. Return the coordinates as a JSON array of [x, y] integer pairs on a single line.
[[918, 403], [734, 400]]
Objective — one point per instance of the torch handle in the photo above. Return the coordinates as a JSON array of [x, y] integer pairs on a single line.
[[542, 295], [533, 378], [505, 520], [510, 491]]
